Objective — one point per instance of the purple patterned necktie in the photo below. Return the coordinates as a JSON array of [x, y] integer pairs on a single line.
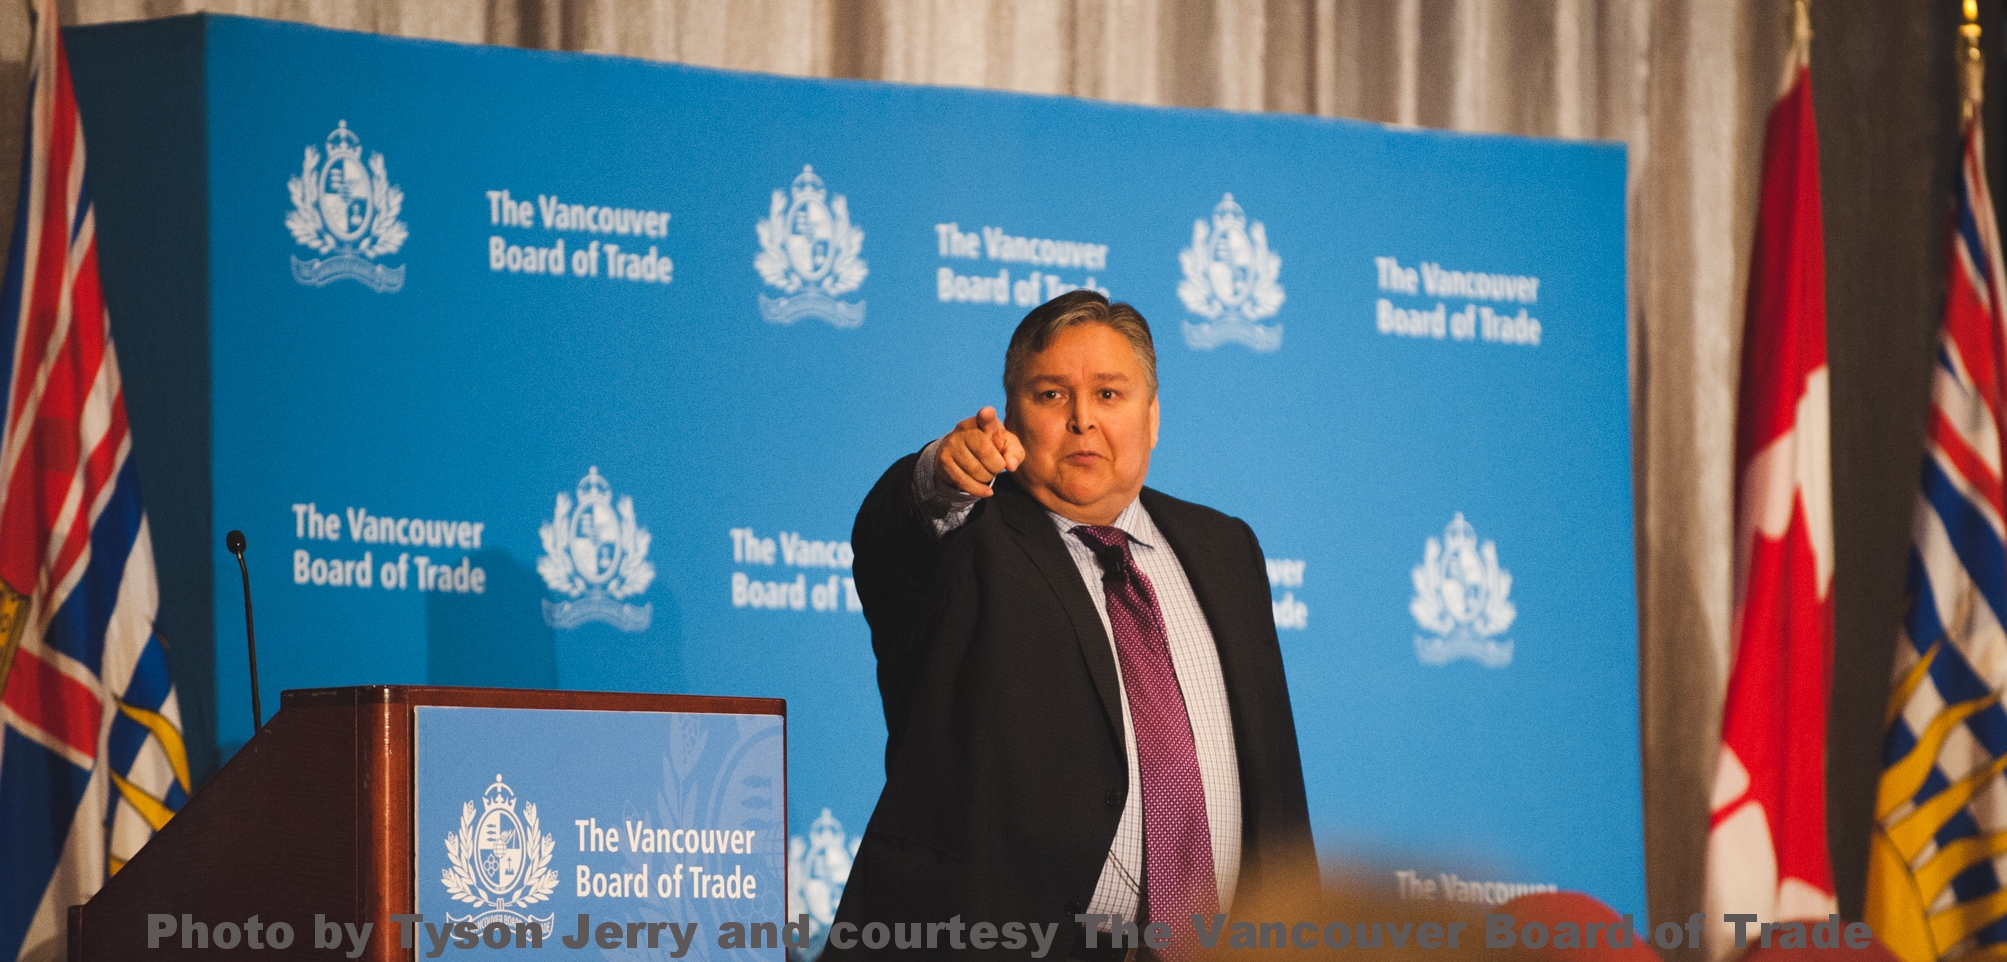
[[1178, 878]]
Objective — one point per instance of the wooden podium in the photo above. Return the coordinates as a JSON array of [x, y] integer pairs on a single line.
[[314, 815]]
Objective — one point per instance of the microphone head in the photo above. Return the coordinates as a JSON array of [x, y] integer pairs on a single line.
[[234, 541]]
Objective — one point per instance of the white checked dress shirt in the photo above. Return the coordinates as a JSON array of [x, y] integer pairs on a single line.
[[1194, 657]]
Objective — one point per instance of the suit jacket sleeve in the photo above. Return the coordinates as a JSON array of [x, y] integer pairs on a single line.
[[899, 565]]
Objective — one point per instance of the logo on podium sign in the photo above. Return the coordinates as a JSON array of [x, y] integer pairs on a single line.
[[1230, 282], [596, 556], [811, 251], [346, 212], [1461, 598], [499, 861]]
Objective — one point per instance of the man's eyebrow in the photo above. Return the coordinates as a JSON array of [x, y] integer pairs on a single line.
[[1059, 379]]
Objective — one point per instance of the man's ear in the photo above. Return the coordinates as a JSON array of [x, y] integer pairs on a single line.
[[1153, 423]]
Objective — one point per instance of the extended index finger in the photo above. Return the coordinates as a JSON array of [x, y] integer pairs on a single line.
[[1012, 449], [993, 426]]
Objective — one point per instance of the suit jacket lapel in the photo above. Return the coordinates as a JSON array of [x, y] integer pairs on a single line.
[[1209, 582], [1195, 556], [1041, 540]]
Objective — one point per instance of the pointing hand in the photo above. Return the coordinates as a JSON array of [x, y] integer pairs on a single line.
[[976, 451]]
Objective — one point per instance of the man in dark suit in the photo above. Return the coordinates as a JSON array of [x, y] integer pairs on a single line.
[[1084, 697]]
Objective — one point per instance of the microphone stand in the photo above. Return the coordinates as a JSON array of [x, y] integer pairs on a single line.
[[235, 542]]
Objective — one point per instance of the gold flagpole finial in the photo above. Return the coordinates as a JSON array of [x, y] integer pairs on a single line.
[[1801, 33], [1801, 46], [1971, 63]]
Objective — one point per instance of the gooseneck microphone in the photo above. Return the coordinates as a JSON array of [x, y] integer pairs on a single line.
[[235, 542]]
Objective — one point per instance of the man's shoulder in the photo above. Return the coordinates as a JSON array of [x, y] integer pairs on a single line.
[[1189, 519]]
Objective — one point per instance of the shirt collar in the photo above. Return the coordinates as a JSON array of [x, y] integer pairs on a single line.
[[1134, 521]]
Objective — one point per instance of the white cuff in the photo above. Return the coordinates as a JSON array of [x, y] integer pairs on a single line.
[[944, 506]]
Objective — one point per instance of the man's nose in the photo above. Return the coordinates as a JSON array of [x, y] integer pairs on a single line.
[[1081, 419]]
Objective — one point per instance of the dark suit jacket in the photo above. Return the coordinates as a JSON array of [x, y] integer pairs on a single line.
[[1004, 762]]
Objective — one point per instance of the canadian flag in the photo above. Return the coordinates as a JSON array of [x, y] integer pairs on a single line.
[[1766, 851]]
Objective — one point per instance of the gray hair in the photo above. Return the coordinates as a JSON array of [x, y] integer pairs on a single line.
[[1035, 333]]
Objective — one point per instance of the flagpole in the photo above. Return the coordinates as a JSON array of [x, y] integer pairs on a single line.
[[1971, 65], [1801, 45]]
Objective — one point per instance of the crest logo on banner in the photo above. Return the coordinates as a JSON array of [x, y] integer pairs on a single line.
[[1230, 280], [1461, 598], [597, 557], [499, 861], [347, 212], [811, 251]]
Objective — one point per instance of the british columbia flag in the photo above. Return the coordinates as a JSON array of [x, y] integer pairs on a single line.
[[1935, 865], [91, 754]]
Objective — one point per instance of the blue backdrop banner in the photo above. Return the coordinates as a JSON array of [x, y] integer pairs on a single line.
[[553, 370]]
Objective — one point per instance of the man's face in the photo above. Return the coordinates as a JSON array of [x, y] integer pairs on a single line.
[[1088, 421]]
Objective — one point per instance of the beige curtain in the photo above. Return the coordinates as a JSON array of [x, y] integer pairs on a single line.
[[1684, 83]]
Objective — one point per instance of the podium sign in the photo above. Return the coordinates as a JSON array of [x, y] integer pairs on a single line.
[[616, 831]]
